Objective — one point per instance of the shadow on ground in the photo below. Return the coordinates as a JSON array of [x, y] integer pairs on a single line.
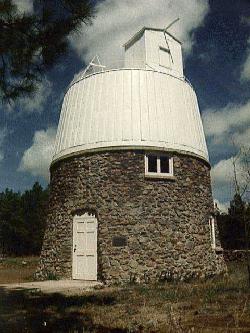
[[33, 311]]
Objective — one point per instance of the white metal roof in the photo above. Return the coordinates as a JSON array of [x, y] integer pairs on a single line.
[[130, 108]]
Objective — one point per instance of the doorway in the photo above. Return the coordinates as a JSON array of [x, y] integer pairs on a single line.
[[84, 266]]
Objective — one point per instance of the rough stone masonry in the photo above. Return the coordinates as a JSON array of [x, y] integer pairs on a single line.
[[164, 221]]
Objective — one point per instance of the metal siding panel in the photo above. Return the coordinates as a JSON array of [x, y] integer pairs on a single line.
[[61, 124], [119, 106], [62, 136], [80, 112], [96, 110], [127, 95], [167, 105], [99, 110], [187, 135], [116, 111], [151, 107], [110, 111], [182, 119], [105, 104], [91, 125], [136, 108], [130, 107], [67, 120], [74, 116], [160, 108], [193, 118], [176, 134], [202, 141], [144, 106], [154, 108], [71, 117], [87, 96], [172, 108], [90, 110], [189, 110], [194, 121]]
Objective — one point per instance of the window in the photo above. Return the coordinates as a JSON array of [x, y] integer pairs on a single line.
[[152, 164], [164, 57], [158, 165]]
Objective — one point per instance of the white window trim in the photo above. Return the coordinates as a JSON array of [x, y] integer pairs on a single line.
[[159, 174], [212, 232]]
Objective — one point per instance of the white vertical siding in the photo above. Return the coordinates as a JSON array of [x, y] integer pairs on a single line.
[[152, 107], [130, 108], [145, 133], [127, 107], [136, 106]]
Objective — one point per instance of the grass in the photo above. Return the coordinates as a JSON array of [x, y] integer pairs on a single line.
[[17, 269], [220, 304]]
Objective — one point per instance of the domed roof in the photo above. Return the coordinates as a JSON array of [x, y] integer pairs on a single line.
[[141, 107]]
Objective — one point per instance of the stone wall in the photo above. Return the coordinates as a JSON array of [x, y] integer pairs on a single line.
[[165, 221]]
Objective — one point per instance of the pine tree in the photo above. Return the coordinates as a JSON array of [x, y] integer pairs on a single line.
[[11, 222], [23, 220], [34, 208], [31, 43], [237, 226]]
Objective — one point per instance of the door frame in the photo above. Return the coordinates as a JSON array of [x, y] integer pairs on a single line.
[[85, 215]]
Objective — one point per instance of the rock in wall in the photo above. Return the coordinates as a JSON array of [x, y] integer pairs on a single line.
[[164, 221]]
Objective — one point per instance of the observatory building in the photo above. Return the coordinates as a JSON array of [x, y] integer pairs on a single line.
[[130, 179]]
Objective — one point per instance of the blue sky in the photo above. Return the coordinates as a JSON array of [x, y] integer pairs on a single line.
[[216, 46]]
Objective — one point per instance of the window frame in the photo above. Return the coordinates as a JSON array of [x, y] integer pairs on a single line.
[[159, 174], [167, 51]]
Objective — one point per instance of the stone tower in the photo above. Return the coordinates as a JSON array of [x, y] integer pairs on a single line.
[[130, 178]]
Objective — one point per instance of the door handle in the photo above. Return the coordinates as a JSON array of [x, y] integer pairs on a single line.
[[75, 248]]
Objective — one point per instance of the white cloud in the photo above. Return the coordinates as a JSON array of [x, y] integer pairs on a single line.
[[245, 20], [227, 129], [222, 172], [3, 134], [37, 158], [24, 5], [243, 139], [117, 20], [222, 175], [36, 102], [245, 70], [245, 73], [219, 121]]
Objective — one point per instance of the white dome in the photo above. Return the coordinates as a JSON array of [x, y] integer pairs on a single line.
[[130, 108]]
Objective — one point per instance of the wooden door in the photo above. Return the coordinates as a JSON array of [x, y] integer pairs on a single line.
[[85, 247]]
